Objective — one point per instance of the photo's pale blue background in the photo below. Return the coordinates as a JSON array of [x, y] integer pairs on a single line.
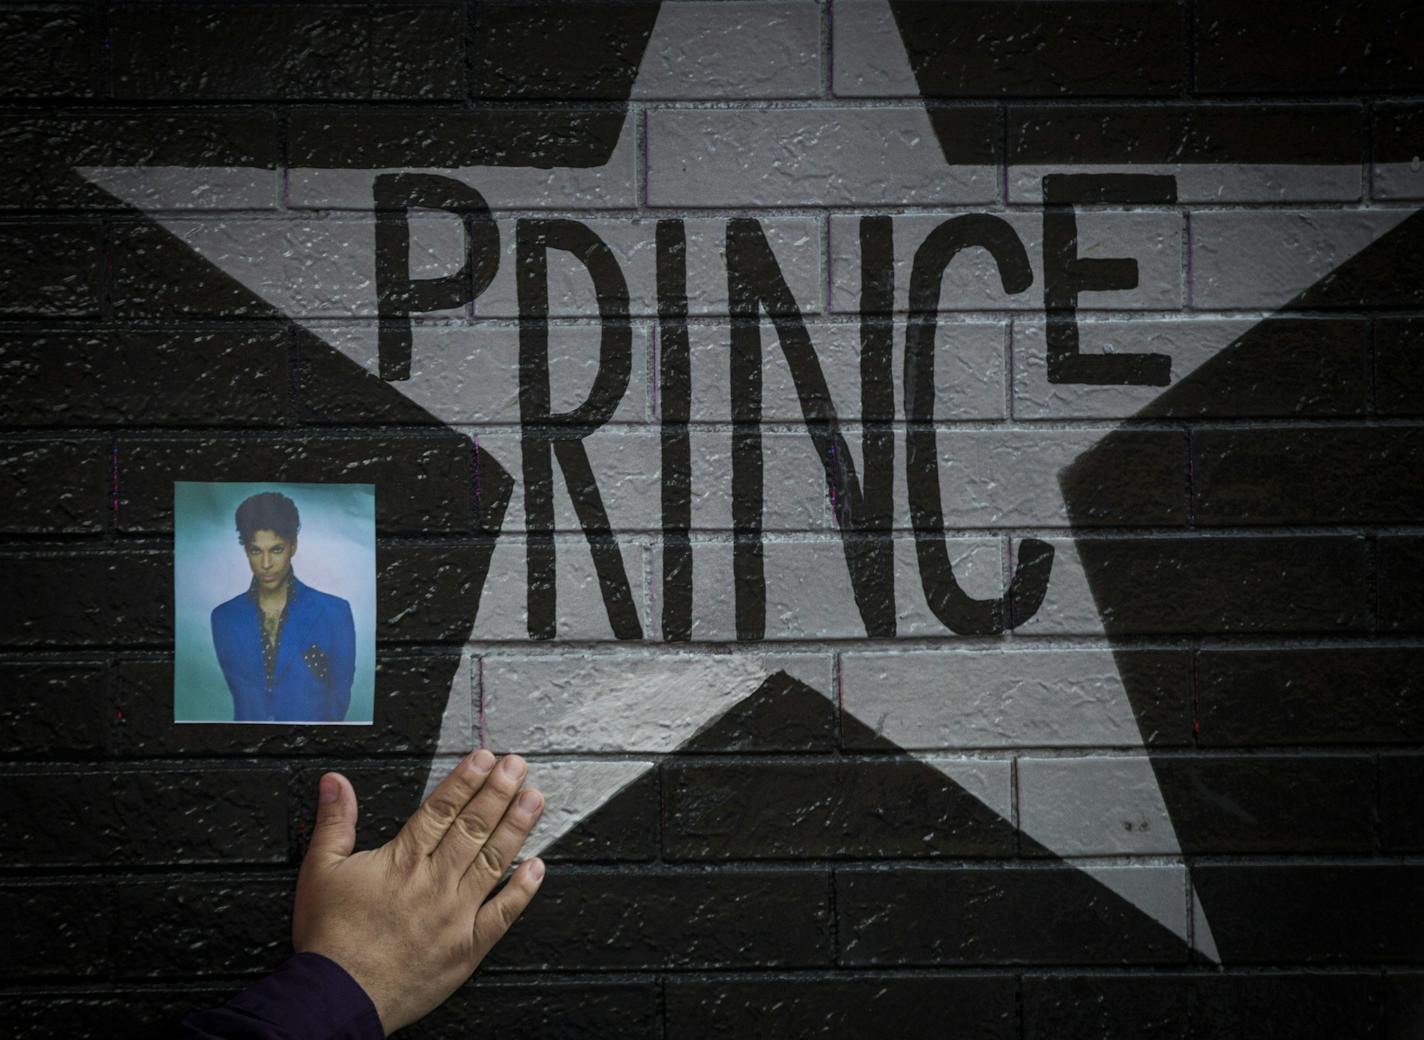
[[336, 553]]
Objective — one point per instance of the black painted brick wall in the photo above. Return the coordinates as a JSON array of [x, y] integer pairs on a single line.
[[147, 869]]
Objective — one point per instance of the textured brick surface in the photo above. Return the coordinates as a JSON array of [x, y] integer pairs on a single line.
[[908, 1005], [1310, 696], [1153, 239], [841, 157], [1163, 785], [1217, 804], [1312, 367], [1181, 1006], [930, 699], [969, 914], [1263, 260], [222, 377]]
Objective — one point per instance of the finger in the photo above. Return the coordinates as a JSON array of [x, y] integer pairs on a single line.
[[428, 824], [474, 824], [495, 917], [334, 835], [503, 845]]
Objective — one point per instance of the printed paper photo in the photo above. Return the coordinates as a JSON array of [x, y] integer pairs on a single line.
[[274, 602]]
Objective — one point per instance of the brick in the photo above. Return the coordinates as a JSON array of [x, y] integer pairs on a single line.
[[434, 475], [1399, 366], [149, 817], [314, 269], [607, 703], [53, 709], [131, 1013], [208, 815], [211, 924], [1396, 170], [1153, 239], [161, 273], [705, 50], [820, 157], [47, 937], [1401, 584], [795, 242], [49, 52], [809, 593], [835, 809], [926, 699], [560, 50], [431, 137], [1007, 915], [1220, 369], [1264, 259], [1359, 913], [1116, 1007], [1401, 822], [1215, 154], [1010, 479], [671, 919], [116, 160], [989, 49], [915, 1007], [1404, 1004], [422, 706], [520, 177], [624, 828], [627, 466], [1152, 1007], [1333, 48], [870, 55], [788, 712], [580, 609], [116, 378], [1217, 804], [427, 594], [1140, 586], [547, 1009], [54, 486], [969, 380], [1308, 476], [50, 270], [1311, 696], [78, 599], [460, 374], [286, 52]]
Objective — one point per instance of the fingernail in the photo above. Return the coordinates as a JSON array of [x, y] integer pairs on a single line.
[[512, 765], [482, 763], [329, 790], [529, 801], [536, 870]]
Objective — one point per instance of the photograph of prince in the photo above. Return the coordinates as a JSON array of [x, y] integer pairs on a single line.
[[287, 650]]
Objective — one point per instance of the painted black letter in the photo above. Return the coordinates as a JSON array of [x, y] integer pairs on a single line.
[[754, 281], [398, 295], [1066, 274], [563, 434], [675, 397], [958, 611]]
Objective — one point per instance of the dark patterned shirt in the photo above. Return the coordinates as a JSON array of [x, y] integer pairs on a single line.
[[272, 637]]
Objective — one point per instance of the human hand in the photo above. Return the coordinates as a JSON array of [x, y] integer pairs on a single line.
[[411, 920]]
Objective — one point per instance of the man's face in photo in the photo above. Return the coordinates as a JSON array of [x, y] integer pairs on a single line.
[[270, 557]]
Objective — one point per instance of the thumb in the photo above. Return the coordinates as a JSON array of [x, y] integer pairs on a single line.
[[334, 835]]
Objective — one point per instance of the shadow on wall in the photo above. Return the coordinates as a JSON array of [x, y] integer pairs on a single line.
[[1242, 569]]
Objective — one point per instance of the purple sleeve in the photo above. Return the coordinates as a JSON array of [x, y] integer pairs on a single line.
[[309, 997]]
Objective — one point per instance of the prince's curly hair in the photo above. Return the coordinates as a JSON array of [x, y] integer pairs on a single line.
[[268, 511]]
